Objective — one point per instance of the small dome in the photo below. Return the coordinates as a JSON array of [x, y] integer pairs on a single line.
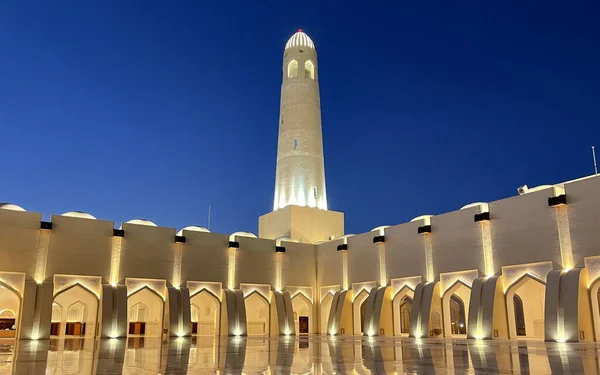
[[300, 39], [11, 207], [241, 234], [79, 214], [380, 229], [142, 222], [193, 228]]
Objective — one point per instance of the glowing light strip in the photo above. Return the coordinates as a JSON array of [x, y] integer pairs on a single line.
[[486, 243], [231, 269], [278, 271], [345, 283], [115, 259], [42, 258], [382, 265], [428, 257], [564, 236], [177, 257]]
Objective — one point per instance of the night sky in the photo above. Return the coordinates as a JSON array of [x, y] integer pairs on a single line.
[[156, 110]]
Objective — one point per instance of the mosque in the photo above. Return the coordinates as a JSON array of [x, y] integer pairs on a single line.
[[527, 266]]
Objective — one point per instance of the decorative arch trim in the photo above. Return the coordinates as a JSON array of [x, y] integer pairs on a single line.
[[524, 276], [201, 290], [7, 286], [147, 288], [404, 289], [73, 286], [260, 295], [453, 286]]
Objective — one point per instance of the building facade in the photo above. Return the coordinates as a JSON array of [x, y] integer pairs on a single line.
[[525, 266]]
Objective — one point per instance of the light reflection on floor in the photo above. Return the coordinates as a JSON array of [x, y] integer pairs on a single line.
[[304, 355]]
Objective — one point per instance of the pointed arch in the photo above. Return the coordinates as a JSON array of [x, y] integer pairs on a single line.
[[208, 313], [324, 310], [303, 320], [402, 311], [309, 69], [154, 319], [455, 304], [292, 69], [595, 306], [258, 314], [531, 291], [358, 309], [85, 302], [267, 298], [62, 291], [11, 301]]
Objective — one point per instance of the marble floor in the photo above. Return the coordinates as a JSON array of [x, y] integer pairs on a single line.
[[304, 355]]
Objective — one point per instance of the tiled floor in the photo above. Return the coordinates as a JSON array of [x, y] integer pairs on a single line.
[[305, 355]]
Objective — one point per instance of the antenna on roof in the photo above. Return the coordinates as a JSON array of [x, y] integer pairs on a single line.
[[594, 156], [208, 226]]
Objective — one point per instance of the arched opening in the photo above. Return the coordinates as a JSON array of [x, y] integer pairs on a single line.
[[325, 310], [402, 304], [74, 313], [206, 314], [455, 304], [145, 313], [292, 70], [10, 307], [302, 308], [359, 308], [309, 69], [519, 316], [530, 293], [257, 315], [458, 323]]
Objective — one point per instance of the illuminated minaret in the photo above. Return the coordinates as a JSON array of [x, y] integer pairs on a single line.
[[300, 176], [300, 207]]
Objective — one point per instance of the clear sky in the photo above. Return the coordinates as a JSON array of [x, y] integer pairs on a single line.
[[158, 109]]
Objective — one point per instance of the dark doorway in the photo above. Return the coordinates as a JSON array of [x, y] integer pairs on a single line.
[[519, 316], [363, 313], [303, 324], [75, 329], [457, 315], [194, 328], [54, 329], [137, 328]]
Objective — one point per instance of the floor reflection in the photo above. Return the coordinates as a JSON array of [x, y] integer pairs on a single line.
[[295, 355]]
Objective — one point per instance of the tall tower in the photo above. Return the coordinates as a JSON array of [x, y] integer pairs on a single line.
[[300, 204], [300, 176]]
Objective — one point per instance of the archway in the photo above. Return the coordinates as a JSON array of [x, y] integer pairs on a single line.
[[10, 307], [303, 314], [206, 314], [455, 305], [74, 312], [145, 313], [325, 310], [359, 308], [257, 314], [519, 316], [402, 305], [530, 291]]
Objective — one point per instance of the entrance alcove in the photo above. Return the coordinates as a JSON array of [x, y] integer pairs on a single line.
[[205, 314], [145, 310], [10, 308], [257, 314], [455, 302], [359, 308], [525, 307], [74, 312], [402, 305], [303, 309], [325, 311]]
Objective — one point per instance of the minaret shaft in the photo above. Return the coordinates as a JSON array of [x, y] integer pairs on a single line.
[[300, 175]]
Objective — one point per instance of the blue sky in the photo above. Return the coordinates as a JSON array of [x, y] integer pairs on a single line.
[[157, 110]]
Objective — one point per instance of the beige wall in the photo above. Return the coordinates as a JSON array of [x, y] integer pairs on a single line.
[[256, 261], [329, 263], [405, 251], [299, 264], [19, 232], [205, 257], [456, 242], [147, 252], [583, 204], [363, 258], [524, 230], [80, 246]]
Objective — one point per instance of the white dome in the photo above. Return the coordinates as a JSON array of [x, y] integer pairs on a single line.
[[11, 207], [79, 214], [300, 39], [142, 222], [193, 228], [241, 234]]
